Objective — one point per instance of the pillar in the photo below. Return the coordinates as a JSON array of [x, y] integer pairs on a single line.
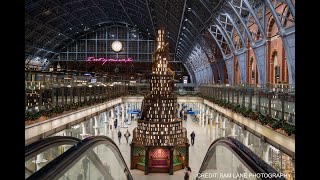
[[246, 137], [233, 130], [223, 134], [39, 160], [112, 122], [96, 126], [127, 116], [122, 115], [216, 134], [203, 114], [84, 132], [265, 155], [200, 113], [118, 117], [207, 116], [211, 117], [68, 132], [106, 124]]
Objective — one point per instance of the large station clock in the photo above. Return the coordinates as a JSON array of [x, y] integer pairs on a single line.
[[116, 46]]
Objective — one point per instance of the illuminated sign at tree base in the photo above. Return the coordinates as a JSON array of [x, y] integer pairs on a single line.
[[104, 60]]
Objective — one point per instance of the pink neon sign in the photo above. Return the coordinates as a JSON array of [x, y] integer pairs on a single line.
[[104, 60]]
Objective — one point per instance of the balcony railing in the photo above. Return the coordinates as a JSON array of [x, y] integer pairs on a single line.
[[277, 104]]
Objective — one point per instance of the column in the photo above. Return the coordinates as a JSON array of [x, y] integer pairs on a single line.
[[217, 126], [127, 116], [96, 126], [233, 130], [118, 117], [211, 119], [203, 114], [265, 155], [200, 113], [123, 124], [84, 132], [112, 122], [223, 134], [106, 124], [246, 137], [39, 160], [68, 132], [207, 116]]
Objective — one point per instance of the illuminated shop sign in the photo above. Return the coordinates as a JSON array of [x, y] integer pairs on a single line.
[[104, 60]]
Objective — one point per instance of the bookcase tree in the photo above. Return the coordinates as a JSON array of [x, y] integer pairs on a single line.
[[159, 141]]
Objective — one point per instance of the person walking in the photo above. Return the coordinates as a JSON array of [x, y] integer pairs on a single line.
[[192, 137], [127, 135], [119, 136]]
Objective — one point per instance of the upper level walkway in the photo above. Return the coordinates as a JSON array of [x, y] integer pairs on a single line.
[[48, 127]]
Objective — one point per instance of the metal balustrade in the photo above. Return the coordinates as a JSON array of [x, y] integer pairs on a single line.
[[48, 98], [279, 104]]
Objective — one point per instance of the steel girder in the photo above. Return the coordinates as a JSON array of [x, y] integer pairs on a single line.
[[259, 47], [241, 53], [288, 38]]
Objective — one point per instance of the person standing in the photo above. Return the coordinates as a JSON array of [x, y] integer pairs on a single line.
[[127, 135], [119, 136], [115, 123], [192, 137]]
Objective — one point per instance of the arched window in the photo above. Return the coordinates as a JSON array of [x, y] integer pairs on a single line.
[[276, 68], [252, 73]]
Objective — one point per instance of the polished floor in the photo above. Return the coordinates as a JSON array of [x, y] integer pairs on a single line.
[[204, 137]]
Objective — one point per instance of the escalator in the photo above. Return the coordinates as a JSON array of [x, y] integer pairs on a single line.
[[41, 152], [228, 158], [96, 158]]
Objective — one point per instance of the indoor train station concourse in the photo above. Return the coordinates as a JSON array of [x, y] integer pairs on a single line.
[[159, 89]]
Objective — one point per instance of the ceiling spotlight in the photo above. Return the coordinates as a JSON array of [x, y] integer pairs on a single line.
[[189, 9], [184, 27], [186, 20], [70, 28]]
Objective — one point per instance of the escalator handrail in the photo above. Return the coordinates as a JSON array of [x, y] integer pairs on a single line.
[[37, 147], [57, 167], [244, 153]]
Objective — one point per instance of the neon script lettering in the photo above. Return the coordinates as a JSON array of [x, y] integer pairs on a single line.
[[104, 60]]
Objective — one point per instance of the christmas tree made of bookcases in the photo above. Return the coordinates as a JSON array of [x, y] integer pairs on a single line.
[[158, 126]]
